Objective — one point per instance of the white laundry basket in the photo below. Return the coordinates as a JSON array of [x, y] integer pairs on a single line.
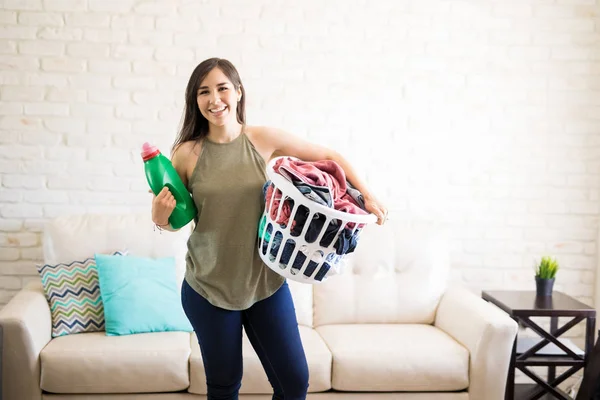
[[296, 258]]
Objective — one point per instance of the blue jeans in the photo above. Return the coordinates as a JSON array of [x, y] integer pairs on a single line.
[[272, 328]]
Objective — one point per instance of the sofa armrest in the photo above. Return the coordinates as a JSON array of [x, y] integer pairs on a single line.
[[27, 327], [487, 332]]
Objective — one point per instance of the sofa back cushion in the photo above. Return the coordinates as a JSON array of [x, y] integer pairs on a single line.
[[302, 294], [77, 237], [397, 274]]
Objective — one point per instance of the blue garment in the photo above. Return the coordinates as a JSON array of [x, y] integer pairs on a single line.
[[318, 194], [355, 194], [346, 242], [272, 329]]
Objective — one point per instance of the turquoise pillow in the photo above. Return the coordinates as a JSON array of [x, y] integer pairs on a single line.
[[140, 295]]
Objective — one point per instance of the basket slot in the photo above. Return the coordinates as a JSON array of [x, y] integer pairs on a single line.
[[297, 216], [324, 230], [281, 201], [290, 258], [292, 207], [271, 242], [293, 258], [267, 231], [288, 228], [310, 269], [270, 206], [307, 223], [282, 247], [305, 263], [322, 271], [261, 236], [317, 223], [331, 246]]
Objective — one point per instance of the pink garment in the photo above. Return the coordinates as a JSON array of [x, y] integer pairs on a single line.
[[284, 216], [321, 173]]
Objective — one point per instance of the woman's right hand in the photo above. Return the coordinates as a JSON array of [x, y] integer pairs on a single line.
[[162, 207]]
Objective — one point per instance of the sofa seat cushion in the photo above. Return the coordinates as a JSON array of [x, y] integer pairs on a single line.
[[96, 363], [254, 380], [396, 357]]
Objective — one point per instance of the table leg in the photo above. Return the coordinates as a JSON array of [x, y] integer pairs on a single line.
[[510, 379], [590, 330], [553, 329]]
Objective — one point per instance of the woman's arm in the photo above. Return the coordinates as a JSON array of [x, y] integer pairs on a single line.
[[280, 143]]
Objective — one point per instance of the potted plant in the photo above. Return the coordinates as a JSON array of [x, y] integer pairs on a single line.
[[545, 273]]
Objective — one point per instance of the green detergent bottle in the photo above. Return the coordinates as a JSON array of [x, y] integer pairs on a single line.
[[160, 173]]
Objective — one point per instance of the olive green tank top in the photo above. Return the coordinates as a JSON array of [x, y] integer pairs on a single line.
[[222, 262]]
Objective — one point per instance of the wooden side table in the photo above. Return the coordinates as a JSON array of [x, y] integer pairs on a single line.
[[548, 350]]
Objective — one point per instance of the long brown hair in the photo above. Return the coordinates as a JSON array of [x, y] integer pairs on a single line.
[[195, 126]]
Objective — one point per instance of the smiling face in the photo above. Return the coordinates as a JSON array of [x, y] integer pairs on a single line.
[[217, 98], [214, 103]]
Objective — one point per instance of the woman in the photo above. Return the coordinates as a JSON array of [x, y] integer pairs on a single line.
[[222, 162]]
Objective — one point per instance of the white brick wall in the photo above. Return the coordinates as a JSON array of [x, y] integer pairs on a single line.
[[483, 115]]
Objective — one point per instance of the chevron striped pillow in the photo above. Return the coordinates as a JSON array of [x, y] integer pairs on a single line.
[[73, 292]]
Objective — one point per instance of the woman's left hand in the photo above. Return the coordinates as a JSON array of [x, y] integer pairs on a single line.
[[374, 206]]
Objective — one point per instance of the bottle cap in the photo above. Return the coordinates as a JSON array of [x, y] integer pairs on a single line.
[[149, 151]]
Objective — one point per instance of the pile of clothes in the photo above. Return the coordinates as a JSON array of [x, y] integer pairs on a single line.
[[323, 182]]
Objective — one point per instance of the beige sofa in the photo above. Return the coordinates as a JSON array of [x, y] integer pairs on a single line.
[[387, 328]]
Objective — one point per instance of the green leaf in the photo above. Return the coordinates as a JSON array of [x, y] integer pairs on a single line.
[[547, 268]]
